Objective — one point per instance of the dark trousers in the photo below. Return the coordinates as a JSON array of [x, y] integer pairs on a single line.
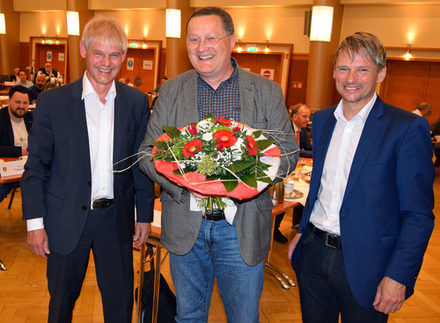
[[323, 286], [113, 265], [296, 217]]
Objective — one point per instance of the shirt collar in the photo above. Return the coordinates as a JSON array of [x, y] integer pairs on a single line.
[[362, 115], [234, 74], [88, 88]]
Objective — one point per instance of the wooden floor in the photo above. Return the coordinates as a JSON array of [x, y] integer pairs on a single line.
[[24, 296]]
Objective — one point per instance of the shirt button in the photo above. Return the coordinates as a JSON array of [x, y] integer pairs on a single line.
[[84, 208]]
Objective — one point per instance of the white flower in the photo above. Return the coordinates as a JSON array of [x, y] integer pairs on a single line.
[[204, 125], [207, 136], [238, 144]]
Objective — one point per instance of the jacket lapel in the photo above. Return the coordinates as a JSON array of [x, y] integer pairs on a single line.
[[79, 123], [189, 114], [246, 99], [320, 149], [366, 143], [119, 117]]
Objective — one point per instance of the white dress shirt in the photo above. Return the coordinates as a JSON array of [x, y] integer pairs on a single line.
[[100, 129], [337, 165]]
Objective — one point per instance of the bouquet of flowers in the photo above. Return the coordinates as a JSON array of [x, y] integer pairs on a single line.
[[217, 157]]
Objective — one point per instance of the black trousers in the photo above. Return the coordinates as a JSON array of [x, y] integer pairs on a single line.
[[113, 266]]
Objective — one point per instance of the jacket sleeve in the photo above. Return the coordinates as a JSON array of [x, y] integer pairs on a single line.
[[415, 177], [154, 130], [144, 187]]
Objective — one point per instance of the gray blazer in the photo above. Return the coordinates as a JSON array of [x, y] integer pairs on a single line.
[[262, 107]]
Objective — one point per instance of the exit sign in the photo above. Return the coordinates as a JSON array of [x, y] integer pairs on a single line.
[[251, 49]]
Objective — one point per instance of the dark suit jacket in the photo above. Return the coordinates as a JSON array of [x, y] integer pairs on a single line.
[[386, 214], [56, 184], [261, 107], [7, 148], [304, 144]]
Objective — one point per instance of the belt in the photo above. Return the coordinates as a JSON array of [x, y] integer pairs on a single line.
[[330, 239], [100, 204], [214, 215]]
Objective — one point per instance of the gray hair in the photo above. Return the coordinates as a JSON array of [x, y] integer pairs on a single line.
[[228, 25], [104, 28], [367, 45]]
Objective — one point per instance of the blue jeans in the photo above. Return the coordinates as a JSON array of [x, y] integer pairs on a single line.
[[323, 286], [5, 189], [215, 254]]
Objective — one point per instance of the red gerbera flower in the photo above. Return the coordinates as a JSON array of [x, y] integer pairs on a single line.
[[225, 138], [251, 145], [191, 148], [192, 128], [223, 121]]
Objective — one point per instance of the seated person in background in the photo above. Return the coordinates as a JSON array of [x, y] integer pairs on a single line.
[[300, 116], [423, 109], [14, 77], [50, 73], [22, 79], [50, 85], [35, 90], [126, 80], [15, 123]]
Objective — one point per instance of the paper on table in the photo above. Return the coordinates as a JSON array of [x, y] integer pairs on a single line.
[[303, 187], [306, 169]]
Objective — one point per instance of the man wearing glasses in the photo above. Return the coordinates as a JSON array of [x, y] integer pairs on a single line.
[[204, 248]]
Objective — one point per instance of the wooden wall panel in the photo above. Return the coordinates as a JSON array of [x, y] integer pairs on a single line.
[[25, 58], [297, 85], [146, 76], [433, 91], [255, 62], [410, 82]]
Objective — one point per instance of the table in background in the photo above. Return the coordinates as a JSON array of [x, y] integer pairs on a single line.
[[4, 180]]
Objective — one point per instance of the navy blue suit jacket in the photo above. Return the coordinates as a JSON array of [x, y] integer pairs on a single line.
[[7, 148], [305, 145], [56, 184], [386, 214]]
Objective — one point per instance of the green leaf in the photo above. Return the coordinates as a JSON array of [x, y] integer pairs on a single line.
[[249, 179], [265, 179], [172, 132], [240, 165], [159, 144], [209, 116], [263, 144], [211, 177], [230, 185], [256, 134]]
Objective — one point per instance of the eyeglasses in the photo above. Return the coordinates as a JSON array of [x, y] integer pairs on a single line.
[[194, 42]]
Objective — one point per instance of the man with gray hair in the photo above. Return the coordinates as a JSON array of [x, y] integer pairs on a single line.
[[78, 186], [368, 216]]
